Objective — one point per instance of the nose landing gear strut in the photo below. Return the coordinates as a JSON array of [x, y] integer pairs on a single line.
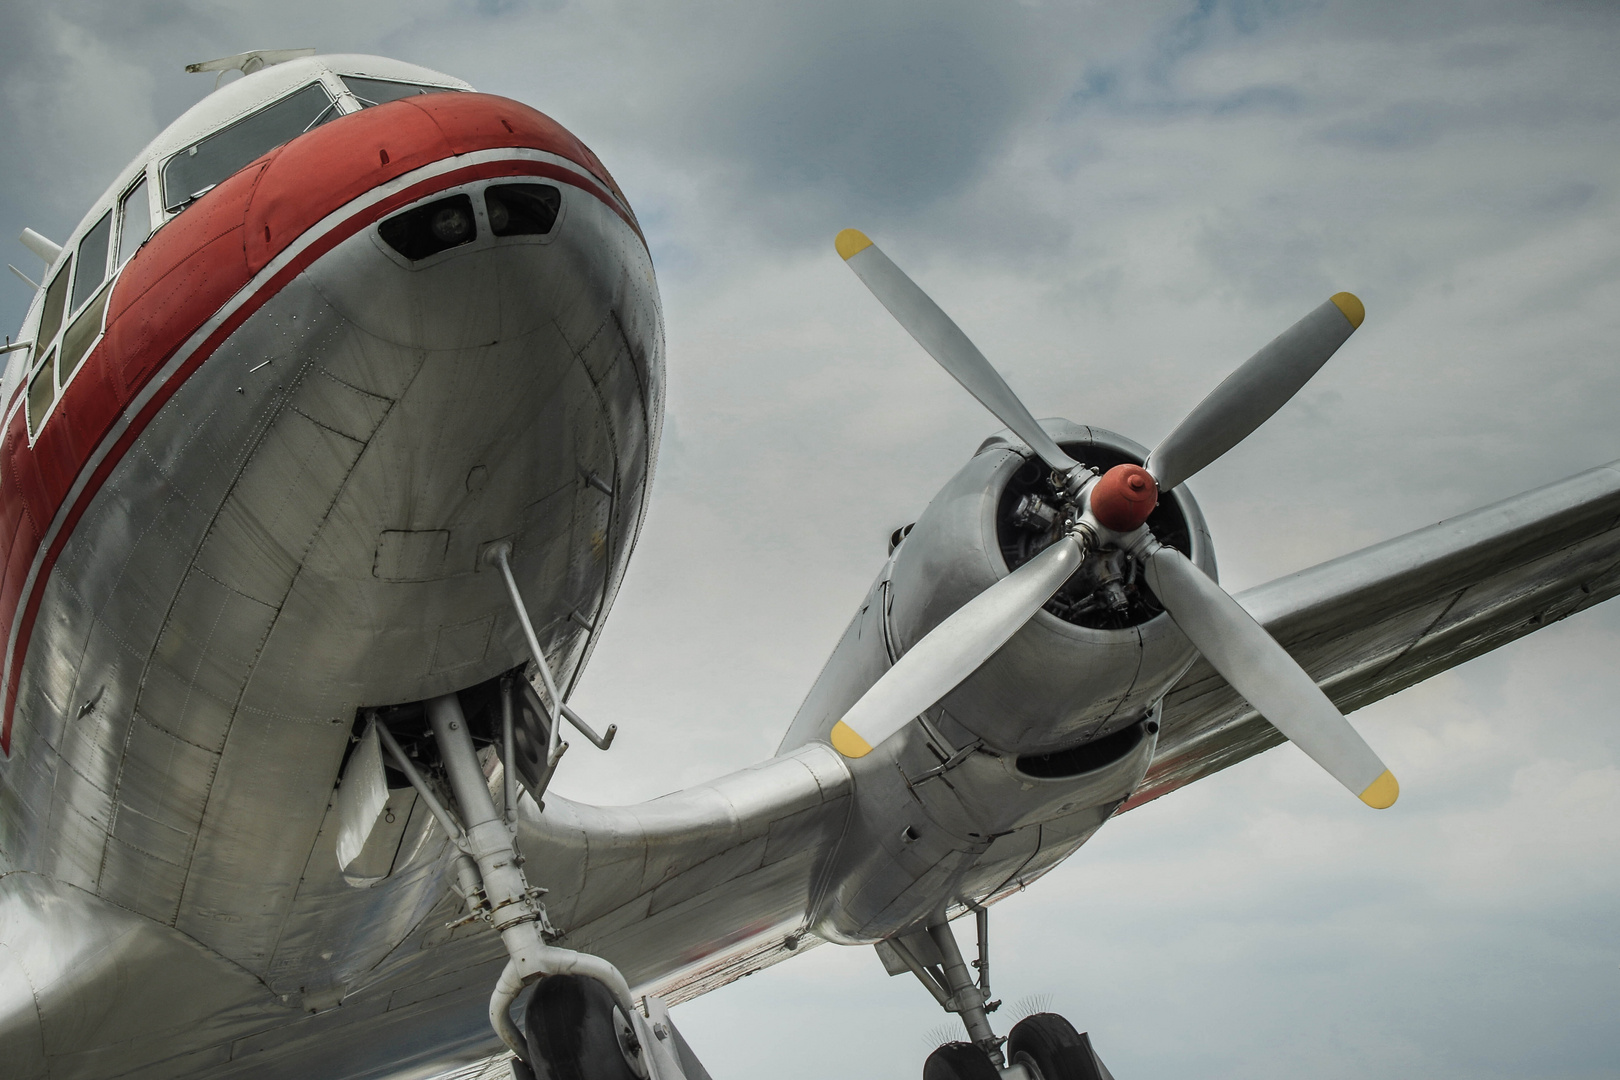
[[582, 1021], [1041, 1046]]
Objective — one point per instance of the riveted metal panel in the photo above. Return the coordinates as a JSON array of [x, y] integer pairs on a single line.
[[341, 407], [259, 539], [141, 882], [162, 791], [209, 643], [80, 813]]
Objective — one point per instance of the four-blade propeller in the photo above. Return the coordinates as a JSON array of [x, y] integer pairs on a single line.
[[1111, 512]]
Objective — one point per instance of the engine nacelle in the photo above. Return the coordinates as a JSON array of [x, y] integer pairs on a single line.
[[1092, 662], [1064, 678]]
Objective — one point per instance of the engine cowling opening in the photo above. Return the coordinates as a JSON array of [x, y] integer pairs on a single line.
[[1086, 757], [1109, 591]]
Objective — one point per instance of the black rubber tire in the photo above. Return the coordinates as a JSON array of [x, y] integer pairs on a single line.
[[959, 1061], [1049, 1044], [521, 1070], [569, 1028]]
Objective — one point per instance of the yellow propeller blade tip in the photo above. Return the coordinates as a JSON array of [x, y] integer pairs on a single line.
[[844, 739], [851, 242], [1348, 303], [1382, 792]]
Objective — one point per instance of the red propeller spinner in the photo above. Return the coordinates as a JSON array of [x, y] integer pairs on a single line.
[[1124, 497]]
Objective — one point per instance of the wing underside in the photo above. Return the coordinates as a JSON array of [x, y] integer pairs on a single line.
[[1388, 616]]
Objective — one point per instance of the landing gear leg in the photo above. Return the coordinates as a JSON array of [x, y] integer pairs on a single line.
[[580, 996], [934, 958], [510, 905], [969, 1000], [1044, 1046]]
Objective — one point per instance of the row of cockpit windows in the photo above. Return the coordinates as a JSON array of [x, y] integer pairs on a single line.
[[76, 297], [202, 165]]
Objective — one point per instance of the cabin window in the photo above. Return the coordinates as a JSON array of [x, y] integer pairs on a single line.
[[81, 335], [92, 260], [199, 167], [134, 221], [377, 91], [50, 319], [522, 209], [41, 392]]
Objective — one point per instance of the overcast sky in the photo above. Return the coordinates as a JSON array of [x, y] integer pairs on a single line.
[[1118, 202]]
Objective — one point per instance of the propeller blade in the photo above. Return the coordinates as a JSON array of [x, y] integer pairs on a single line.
[[1263, 672], [954, 649], [1248, 396], [945, 342]]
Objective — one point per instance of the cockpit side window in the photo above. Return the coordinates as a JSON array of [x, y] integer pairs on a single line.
[[50, 319], [208, 161], [377, 91], [91, 261], [41, 392], [135, 221]]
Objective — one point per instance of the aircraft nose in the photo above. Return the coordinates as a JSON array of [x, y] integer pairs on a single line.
[[394, 153]]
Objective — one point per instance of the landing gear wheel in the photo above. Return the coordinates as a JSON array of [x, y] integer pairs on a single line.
[[573, 1029], [1049, 1047], [959, 1061]]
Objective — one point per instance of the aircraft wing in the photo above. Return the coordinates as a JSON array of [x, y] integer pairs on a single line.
[[1370, 623]]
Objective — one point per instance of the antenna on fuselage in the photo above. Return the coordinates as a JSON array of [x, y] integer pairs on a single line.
[[48, 251], [247, 63]]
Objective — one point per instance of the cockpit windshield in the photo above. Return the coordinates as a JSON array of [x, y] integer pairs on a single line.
[[377, 91], [205, 163]]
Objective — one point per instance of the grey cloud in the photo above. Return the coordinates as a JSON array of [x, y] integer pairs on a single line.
[[1403, 126], [894, 108]]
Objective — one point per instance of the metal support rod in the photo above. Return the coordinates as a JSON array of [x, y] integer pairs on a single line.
[[447, 820], [602, 742], [549, 771], [924, 976], [967, 1002], [501, 554], [508, 751], [467, 780], [982, 917], [26, 280]]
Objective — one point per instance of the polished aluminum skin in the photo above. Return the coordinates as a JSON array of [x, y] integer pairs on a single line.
[[293, 541]]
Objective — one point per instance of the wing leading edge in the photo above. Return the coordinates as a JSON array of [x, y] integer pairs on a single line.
[[1381, 619]]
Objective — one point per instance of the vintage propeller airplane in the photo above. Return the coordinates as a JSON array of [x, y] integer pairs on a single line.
[[328, 437]]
